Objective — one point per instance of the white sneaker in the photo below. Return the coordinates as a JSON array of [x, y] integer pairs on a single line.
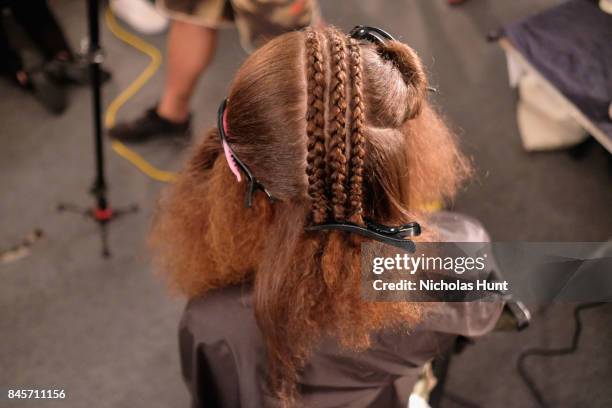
[[141, 15], [606, 5]]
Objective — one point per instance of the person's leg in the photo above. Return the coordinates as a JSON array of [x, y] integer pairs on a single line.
[[10, 61], [35, 82], [190, 50], [39, 23]]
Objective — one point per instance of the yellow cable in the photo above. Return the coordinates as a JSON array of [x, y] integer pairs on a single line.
[[433, 206], [111, 111]]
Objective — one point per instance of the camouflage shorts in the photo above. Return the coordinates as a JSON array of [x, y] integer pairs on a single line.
[[257, 20]]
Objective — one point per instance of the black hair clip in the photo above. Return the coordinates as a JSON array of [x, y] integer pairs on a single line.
[[252, 183], [377, 36], [371, 34], [395, 236]]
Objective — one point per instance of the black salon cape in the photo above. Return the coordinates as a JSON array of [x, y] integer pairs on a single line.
[[223, 355]]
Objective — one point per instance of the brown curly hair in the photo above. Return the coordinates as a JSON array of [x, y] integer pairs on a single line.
[[334, 129]]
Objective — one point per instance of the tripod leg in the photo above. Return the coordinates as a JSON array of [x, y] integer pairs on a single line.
[[104, 239], [125, 210], [66, 207]]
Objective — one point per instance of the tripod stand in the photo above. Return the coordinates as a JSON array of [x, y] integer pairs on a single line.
[[102, 213]]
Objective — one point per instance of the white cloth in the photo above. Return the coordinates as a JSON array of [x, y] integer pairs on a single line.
[[544, 119]]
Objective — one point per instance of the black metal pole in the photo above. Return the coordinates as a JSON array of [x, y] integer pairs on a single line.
[[95, 61], [102, 212]]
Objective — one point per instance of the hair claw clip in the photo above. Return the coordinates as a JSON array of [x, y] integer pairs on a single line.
[[412, 229], [394, 236], [371, 34], [234, 162]]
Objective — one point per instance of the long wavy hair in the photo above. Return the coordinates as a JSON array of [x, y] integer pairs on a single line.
[[337, 130]]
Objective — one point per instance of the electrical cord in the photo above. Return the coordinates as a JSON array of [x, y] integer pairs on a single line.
[[111, 111], [529, 382]]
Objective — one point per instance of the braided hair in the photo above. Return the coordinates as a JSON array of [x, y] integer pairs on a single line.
[[335, 172], [315, 127], [357, 139], [337, 123]]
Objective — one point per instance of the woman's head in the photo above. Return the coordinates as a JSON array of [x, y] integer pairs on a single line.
[[336, 130], [304, 110]]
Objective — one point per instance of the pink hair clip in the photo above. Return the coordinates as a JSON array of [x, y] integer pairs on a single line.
[[235, 164], [228, 153]]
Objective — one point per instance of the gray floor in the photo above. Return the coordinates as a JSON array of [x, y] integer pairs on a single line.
[[105, 331]]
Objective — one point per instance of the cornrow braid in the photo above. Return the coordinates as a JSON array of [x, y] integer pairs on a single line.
[[315, 127], [337, 123], [357, 139]]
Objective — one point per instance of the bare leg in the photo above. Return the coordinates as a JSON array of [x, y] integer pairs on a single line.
[[190, 49]]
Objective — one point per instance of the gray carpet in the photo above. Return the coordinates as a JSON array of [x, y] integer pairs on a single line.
[[105, 331]]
